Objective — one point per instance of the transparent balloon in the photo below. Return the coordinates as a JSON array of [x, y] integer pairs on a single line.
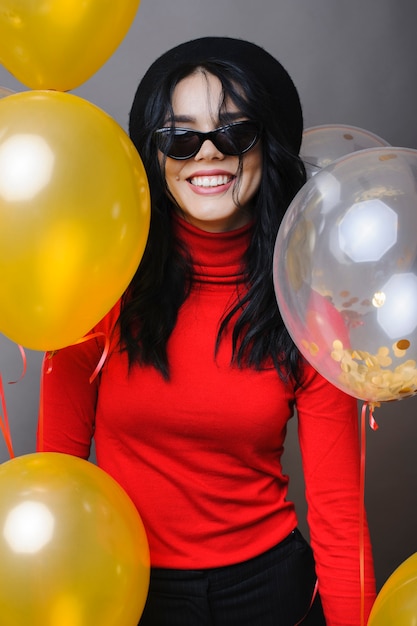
[[73, 549], [345, 273], [396, 603], [321, 145]]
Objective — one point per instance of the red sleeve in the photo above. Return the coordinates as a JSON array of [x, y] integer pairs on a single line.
[[68, 396], [330, 449]]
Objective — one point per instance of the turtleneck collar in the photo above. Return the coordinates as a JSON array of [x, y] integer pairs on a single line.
[[217, 257]]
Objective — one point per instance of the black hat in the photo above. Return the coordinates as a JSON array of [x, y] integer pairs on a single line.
[[252, 59]]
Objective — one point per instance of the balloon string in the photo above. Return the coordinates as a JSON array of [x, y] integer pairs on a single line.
[[4, 421], [24, 362], [370, 406], [313, 597], [103, 355], [362, 512], [47, 369]]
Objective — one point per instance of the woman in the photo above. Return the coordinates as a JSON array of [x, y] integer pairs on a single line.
[[190, 410]]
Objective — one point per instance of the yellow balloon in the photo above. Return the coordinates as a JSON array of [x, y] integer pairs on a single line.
[[396, 603], [74, 217], [73, 549], [59, 44]]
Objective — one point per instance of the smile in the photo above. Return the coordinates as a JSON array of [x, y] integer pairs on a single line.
[[210, 181]]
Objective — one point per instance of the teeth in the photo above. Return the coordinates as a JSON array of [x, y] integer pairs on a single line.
[[209, 181]]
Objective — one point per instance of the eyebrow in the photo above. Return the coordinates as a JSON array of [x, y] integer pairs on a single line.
[[188, 119]]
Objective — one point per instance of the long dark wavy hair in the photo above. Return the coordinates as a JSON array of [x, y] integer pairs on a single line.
[[163, 280]]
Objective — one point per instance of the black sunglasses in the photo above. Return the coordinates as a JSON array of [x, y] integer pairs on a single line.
[[232, 139]]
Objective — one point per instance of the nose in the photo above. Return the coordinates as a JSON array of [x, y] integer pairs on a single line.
[[208, 151]]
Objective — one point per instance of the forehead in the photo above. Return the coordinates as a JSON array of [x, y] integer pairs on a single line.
[[200, 94]]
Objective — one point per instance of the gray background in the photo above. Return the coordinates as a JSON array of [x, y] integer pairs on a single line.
[[354, 62]]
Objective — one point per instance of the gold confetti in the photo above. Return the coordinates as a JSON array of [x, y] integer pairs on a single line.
[[375, 377], [314, 349], [371, 377], [400, 348], [379, 299], [387, 157], [403, 344]]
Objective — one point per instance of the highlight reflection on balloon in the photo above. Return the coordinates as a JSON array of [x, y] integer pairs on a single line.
[[73, 549], [345, 273], [321, 145], [396, 603], [26, 165], [28, 527], [74, 213], [59, 44]]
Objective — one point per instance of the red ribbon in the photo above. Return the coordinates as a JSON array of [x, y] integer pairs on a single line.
[[4, 417], [366, 406], [315, 590], [4, 421], [46, 369]]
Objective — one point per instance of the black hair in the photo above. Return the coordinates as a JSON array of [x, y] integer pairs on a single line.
[[164, 277]]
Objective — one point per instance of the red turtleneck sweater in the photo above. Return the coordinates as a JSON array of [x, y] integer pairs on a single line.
[[200, 455]]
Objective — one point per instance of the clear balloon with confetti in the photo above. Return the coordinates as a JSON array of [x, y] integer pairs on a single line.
[[345, 273]]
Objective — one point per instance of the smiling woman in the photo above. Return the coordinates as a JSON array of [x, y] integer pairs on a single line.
[[190, 411], [212, 189]]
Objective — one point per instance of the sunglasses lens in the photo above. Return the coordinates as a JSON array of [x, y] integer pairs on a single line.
[[237, 138], [178, 143], [185, 144]]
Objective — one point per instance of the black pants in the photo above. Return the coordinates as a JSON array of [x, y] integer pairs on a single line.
[[273, 589]]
